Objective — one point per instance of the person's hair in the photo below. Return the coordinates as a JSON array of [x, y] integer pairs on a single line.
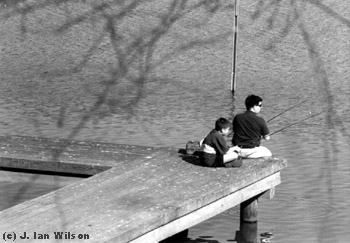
[[251, 101], [221, 123]]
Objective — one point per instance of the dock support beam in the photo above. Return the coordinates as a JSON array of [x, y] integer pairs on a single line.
[[249, 210], [249, 220]]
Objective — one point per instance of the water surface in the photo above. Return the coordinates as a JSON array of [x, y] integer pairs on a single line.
[[288, 52], [312, 201]]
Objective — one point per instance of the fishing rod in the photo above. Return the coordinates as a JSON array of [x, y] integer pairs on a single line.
[[309, 117], [286, 110]]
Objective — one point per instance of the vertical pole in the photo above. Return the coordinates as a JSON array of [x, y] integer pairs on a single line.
[[234, 58], [249, 220]]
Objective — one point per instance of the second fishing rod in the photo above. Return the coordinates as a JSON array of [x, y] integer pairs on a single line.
[[294, 123]]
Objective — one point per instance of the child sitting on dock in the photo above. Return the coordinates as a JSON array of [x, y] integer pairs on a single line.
[[214, 150]]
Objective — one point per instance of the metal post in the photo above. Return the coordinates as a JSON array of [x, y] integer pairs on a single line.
[[234, 58]]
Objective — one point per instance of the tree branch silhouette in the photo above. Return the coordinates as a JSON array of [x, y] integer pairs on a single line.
[[132, 55]]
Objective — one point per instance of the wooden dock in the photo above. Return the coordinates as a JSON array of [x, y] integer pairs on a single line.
[[135, 194]]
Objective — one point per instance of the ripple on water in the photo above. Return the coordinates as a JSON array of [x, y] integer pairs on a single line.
[[290, 209]]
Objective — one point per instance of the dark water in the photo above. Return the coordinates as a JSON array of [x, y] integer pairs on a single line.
[[17, 187]]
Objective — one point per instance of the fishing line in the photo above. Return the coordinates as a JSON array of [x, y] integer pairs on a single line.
[[286, 110], [309, 117]]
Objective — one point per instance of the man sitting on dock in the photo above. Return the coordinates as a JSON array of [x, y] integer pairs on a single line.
[[214, 150], [249, 128]]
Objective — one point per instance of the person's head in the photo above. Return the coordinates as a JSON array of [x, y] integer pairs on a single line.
[[222, 125], [253, 103]]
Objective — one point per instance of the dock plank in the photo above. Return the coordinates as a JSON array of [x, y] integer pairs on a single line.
[[86, 188], [60, 155], [207, 211], [140, 200], [140, 205]]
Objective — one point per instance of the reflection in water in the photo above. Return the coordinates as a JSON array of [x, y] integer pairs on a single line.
[[14, 193], [17, 186], [248, 233]]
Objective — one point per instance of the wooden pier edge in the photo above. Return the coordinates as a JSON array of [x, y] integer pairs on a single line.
[[208, 211], [169, 192]]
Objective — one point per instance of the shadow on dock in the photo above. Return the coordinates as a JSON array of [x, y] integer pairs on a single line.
[[190, 158]]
